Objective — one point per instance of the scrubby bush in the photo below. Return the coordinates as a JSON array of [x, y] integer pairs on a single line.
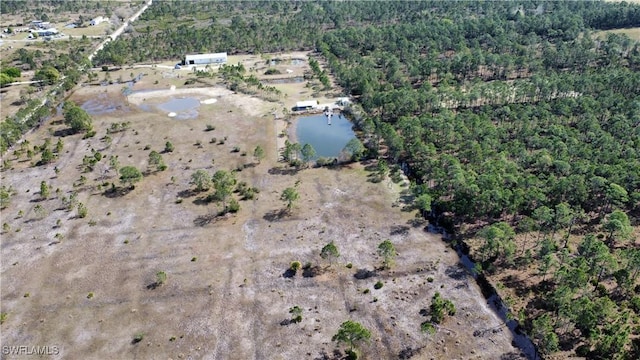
[[295, 266]]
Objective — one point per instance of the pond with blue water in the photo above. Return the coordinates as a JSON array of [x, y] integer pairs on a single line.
[[181, 108], [327, 140]]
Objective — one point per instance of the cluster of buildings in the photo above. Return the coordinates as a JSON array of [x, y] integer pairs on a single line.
[[42, 29]]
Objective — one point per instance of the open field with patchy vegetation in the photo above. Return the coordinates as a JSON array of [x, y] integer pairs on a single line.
[[85, 277]]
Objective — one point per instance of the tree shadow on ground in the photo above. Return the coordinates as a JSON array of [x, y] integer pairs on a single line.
[[363, 274], [63, 132], [399, 230], [288, 274], [336, 355], [406, 199], [520, 286], [284, 171], [512, 356], [115, 192], [418, 222], [568, 342], [409, 352], [275, 215], [203, 220], [187, 193], [154, 285], [457, 272], [202, 200], [311, 271]]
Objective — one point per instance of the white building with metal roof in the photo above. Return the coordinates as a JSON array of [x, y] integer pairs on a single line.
[[204, 59]]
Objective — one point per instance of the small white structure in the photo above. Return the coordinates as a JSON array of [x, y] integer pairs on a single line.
[[343, 101], [39, 24], [204, 59], [305, 105], [97, 21], [46, 32]]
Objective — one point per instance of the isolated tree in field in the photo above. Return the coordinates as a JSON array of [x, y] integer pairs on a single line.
[[296, 313], [82, 210], [168, 147], [290, 195], [161, 278], [155, 160], [330, 252], [351, 332], [5, 196], [441, 307], [59, 146], [202, 180], [46, 156], [114, 163], [44, 190], [40, 211], [258, 154], [388, 253], [308, 153], [130, 175], [223, 183], [78, 119]]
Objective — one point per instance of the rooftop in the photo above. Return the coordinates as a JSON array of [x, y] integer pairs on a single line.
[[206, 56]]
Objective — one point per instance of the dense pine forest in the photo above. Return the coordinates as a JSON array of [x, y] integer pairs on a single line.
[[518, 126]]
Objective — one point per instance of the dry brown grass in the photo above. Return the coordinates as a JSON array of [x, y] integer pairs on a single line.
[[633, 33]]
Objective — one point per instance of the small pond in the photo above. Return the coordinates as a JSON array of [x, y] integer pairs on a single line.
[[100, 106], [327, 140], [183, 108]]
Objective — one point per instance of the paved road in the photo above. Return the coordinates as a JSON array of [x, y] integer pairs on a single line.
[[119, 30]]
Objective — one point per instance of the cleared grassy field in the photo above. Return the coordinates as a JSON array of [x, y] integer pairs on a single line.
[[633, 33]]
